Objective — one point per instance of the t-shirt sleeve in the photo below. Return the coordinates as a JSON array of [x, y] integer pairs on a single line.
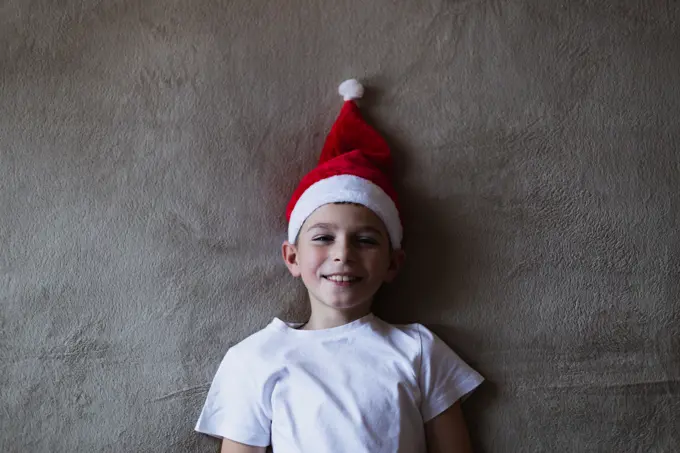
[[236, 406], [444, 377]]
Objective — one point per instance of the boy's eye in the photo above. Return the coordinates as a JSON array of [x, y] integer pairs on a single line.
[[360, 240], [367, 240]]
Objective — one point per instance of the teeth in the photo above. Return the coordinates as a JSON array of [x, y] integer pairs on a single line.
[[341, 278]]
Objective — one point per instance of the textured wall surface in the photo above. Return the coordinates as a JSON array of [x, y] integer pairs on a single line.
[[148, 149]]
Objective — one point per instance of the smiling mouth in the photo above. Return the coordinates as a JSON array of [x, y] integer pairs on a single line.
[[342, 278]]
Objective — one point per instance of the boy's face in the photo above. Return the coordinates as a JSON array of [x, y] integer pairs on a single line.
[[343, 255]]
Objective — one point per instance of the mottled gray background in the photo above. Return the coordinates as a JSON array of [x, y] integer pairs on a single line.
[[148, 149]]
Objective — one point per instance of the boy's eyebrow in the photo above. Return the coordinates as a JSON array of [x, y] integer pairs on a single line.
[[370, 228], [328, 226], [331, 226]]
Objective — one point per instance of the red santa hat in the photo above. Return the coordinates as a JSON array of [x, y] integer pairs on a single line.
[[354, 167]]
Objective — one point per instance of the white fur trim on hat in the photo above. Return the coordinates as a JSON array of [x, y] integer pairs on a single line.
[[351, 189]]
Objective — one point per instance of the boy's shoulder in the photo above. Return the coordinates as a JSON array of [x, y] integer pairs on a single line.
[[414, 334], [259, 341], [404, 331]]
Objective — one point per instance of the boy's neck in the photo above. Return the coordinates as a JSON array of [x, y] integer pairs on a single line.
[[327, 318]]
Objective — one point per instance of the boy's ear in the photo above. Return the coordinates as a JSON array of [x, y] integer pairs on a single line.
[[397, 258], [290, 257]]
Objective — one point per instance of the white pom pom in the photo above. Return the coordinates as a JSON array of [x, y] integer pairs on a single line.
[[351, 89]]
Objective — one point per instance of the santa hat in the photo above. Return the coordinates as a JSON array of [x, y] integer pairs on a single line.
[[354, 167]]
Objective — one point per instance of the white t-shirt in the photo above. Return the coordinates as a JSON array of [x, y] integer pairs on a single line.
[[366, 386]]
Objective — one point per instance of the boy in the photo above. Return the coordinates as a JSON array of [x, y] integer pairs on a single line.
[[344, 381]]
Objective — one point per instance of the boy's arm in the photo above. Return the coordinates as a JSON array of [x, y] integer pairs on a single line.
[[229, 446], [447, 432]]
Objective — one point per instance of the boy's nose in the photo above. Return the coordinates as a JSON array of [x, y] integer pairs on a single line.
[[343, 251]]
